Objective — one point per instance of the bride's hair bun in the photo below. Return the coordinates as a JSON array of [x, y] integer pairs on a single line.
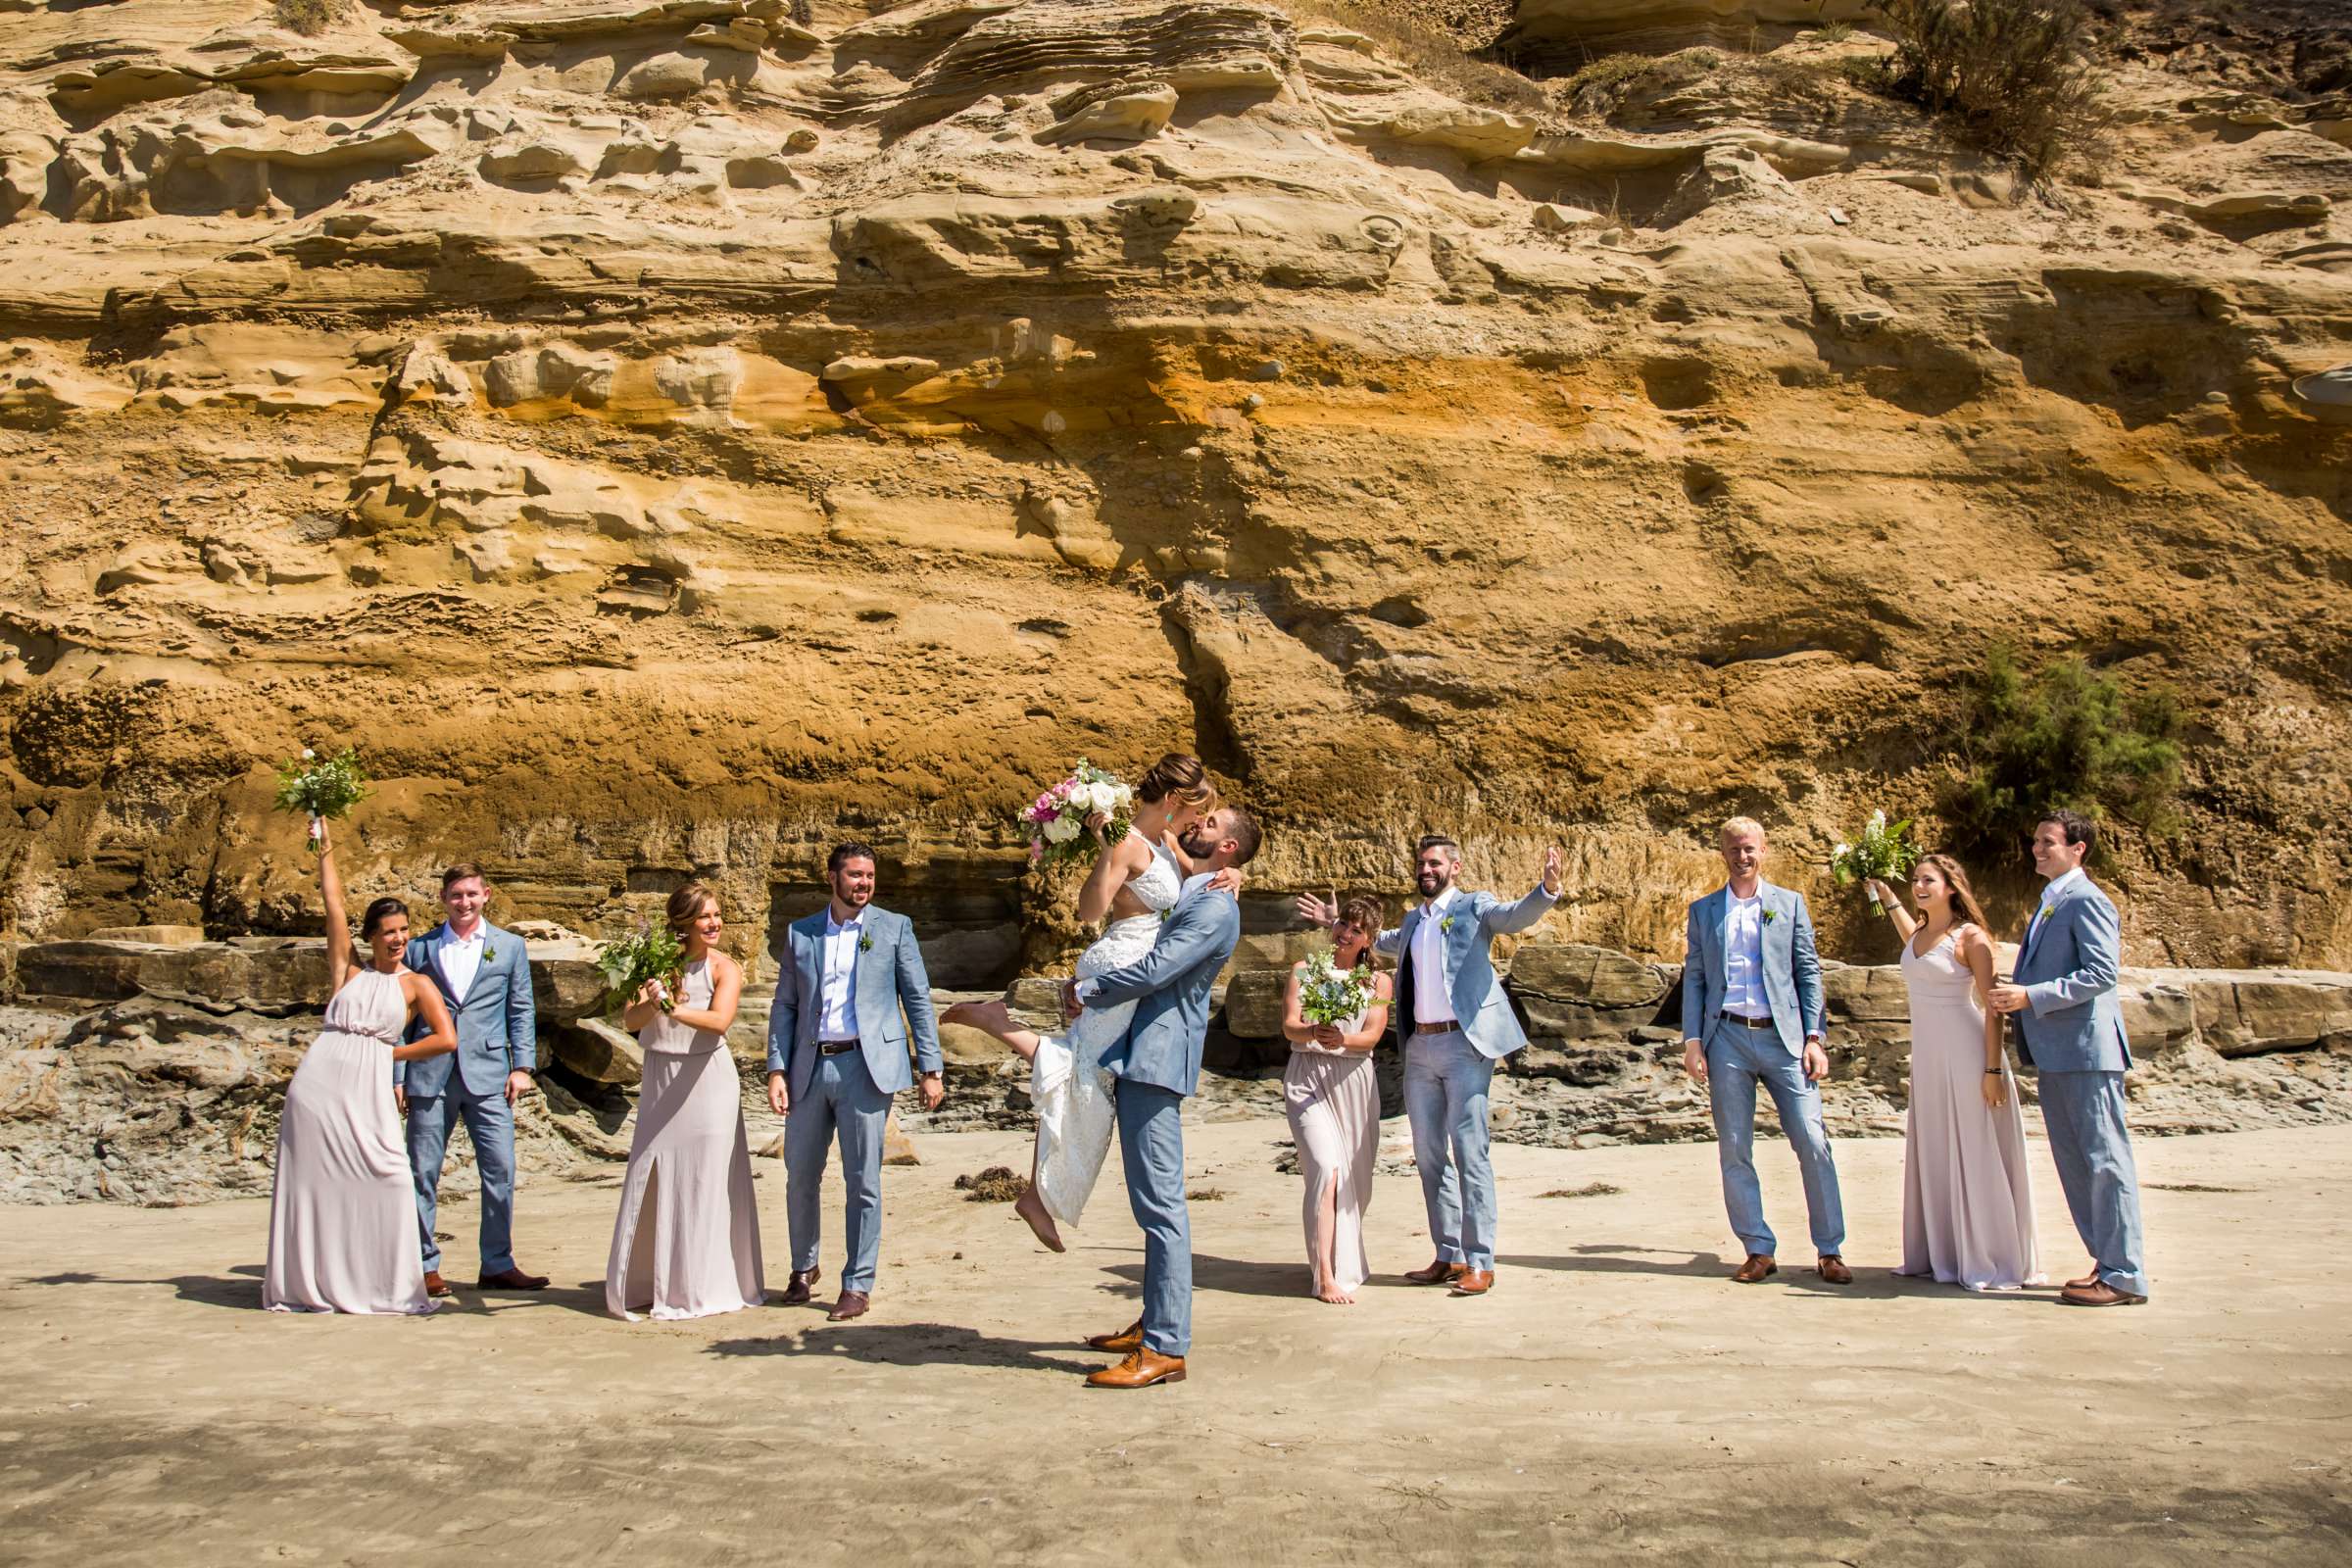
[[1179, 775]]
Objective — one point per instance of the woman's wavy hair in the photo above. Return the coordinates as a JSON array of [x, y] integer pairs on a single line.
[[686, 903], [1365, 914], [1179, 775], [1964, 897]]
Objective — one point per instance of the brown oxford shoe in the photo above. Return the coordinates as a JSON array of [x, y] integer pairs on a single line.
[[1438, 1272], [511, 1279], [1127, 1339], [853, 1304], [2085, 1283], [795, 1292], [1754, 1270], [435, 1286], [1832, 1268], [2099, 1293], [1139, 1370], [1474, 1282]]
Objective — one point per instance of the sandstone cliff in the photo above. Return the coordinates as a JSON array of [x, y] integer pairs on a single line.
[[666, 434]]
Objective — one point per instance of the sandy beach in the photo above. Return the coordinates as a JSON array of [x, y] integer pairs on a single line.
[[1614, 1398]]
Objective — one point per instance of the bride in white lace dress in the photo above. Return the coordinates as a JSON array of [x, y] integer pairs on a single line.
[[1133, 883]]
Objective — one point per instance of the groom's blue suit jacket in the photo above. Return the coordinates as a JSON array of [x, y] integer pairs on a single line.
[[1791, 968], [889, 977], [1474, 992], [498, 1032], [2068, 963], [1170, 987]]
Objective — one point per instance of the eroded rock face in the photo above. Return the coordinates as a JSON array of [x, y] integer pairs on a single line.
[[667, 437]]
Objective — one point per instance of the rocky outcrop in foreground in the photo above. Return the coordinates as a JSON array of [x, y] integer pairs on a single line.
[[152, 1073]]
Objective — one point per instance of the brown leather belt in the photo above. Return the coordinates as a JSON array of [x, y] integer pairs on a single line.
[[1764, 1022], [1449, 1026], [834, 1048]]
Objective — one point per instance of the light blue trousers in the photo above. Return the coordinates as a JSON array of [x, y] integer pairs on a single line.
[[1738, 1059], [490, 1123], [840, 1107], [1151, 1152], [1446, 1082], [2093, 1151]]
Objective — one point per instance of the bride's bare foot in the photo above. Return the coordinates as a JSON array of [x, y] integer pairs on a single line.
[[993, 1018], [1032, 1208], [1333, 1295]]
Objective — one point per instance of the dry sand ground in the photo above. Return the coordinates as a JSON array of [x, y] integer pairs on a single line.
[[1614, 1398]]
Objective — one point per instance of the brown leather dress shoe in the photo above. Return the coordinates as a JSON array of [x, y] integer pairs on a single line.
[[2099, 1294], [1832, 1268], [1438, 1272], [1753, 1271], [796, 1294], [1139, 1370], [853, 1304], [1474, 1282], [435, 1286], [511, 1279], [1130, 1338], [2085, 1283]]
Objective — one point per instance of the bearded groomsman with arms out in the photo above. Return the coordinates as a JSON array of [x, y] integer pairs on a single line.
[[2069, 1029], [1751, 1013], [485, 978], [1453, 1023], [836, 1056]]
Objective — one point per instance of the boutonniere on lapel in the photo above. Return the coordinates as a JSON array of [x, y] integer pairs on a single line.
[[489, 951], [1446, 925], [1165, 915], [1771, 916], [865, 943]]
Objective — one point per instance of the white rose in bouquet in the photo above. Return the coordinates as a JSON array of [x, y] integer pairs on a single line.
[[1086, 799], [1061, 830]]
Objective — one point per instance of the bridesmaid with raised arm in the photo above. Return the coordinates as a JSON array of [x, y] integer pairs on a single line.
[[342, 1204], [686, 1242], [1333, 1100], [1968, 1200]]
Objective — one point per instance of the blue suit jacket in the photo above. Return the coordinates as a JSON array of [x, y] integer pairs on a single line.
[[1474, 992], [1791, 968], [2073, 1022], [1170, 987], [498, 1031], [889, 975]]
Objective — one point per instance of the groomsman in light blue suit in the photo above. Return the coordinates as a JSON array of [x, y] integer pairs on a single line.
[[1751, 1013], [1154, 1067], [2069, 1029], [1453, 1023], [485, 978], [836, 1056]]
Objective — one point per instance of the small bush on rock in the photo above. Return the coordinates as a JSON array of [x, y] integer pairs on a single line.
[[311, 18], [2065, 737], [2012, 74]]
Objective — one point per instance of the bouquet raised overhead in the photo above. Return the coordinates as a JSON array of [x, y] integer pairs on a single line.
[[1882, 851], [650, 953], [1331, 995], [323, 789], [1056, 820]]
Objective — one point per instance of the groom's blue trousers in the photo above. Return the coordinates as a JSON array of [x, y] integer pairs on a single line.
[[1151, 1152], [490, 1123], [2093, 1151], [843, 1105], [1738, 1059]]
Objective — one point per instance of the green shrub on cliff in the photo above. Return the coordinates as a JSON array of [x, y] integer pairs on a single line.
[[2011, 75], [2067, 736]]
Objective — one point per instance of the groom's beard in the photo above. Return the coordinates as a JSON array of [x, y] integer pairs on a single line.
[[1194, 847]]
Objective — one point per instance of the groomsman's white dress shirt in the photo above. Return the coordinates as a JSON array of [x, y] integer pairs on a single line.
[[460, 960], [1432, 1003], [836, 1016], [2051, 895], [1743, 956]]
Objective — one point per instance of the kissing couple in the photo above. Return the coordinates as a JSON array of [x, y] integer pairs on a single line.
[[1138, 1010]]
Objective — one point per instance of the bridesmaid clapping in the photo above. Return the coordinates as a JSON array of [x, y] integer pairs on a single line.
[[1333, 1101], [342, 1204], [686, 1242], [1968, 1203]]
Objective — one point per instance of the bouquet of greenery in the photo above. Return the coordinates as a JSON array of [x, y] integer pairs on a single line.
[[650, 953], [1881, 850], [323, 791], [1056, 820], [1329, 994]]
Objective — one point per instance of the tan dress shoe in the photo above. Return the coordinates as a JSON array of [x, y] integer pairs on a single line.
[[1474, 1282], [1438, 1272], [435, 1286], [853, 1304], [1139, 1370], [796, 1294], [511, 1279], [1754, 1270], [1130, 1338], [1832, 1268], [2099, 1294]]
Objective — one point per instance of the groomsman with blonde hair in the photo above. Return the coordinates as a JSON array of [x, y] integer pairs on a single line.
[[1751, 1013]]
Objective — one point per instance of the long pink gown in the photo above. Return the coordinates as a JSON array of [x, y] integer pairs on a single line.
[[1968, 1200], [342, 1204], [686, 1242], [1333, 1101]]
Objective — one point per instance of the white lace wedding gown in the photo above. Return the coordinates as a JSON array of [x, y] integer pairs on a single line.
[[1067, 1084]]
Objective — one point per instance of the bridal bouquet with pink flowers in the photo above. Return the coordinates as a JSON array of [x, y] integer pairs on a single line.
[[1056, 820]]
